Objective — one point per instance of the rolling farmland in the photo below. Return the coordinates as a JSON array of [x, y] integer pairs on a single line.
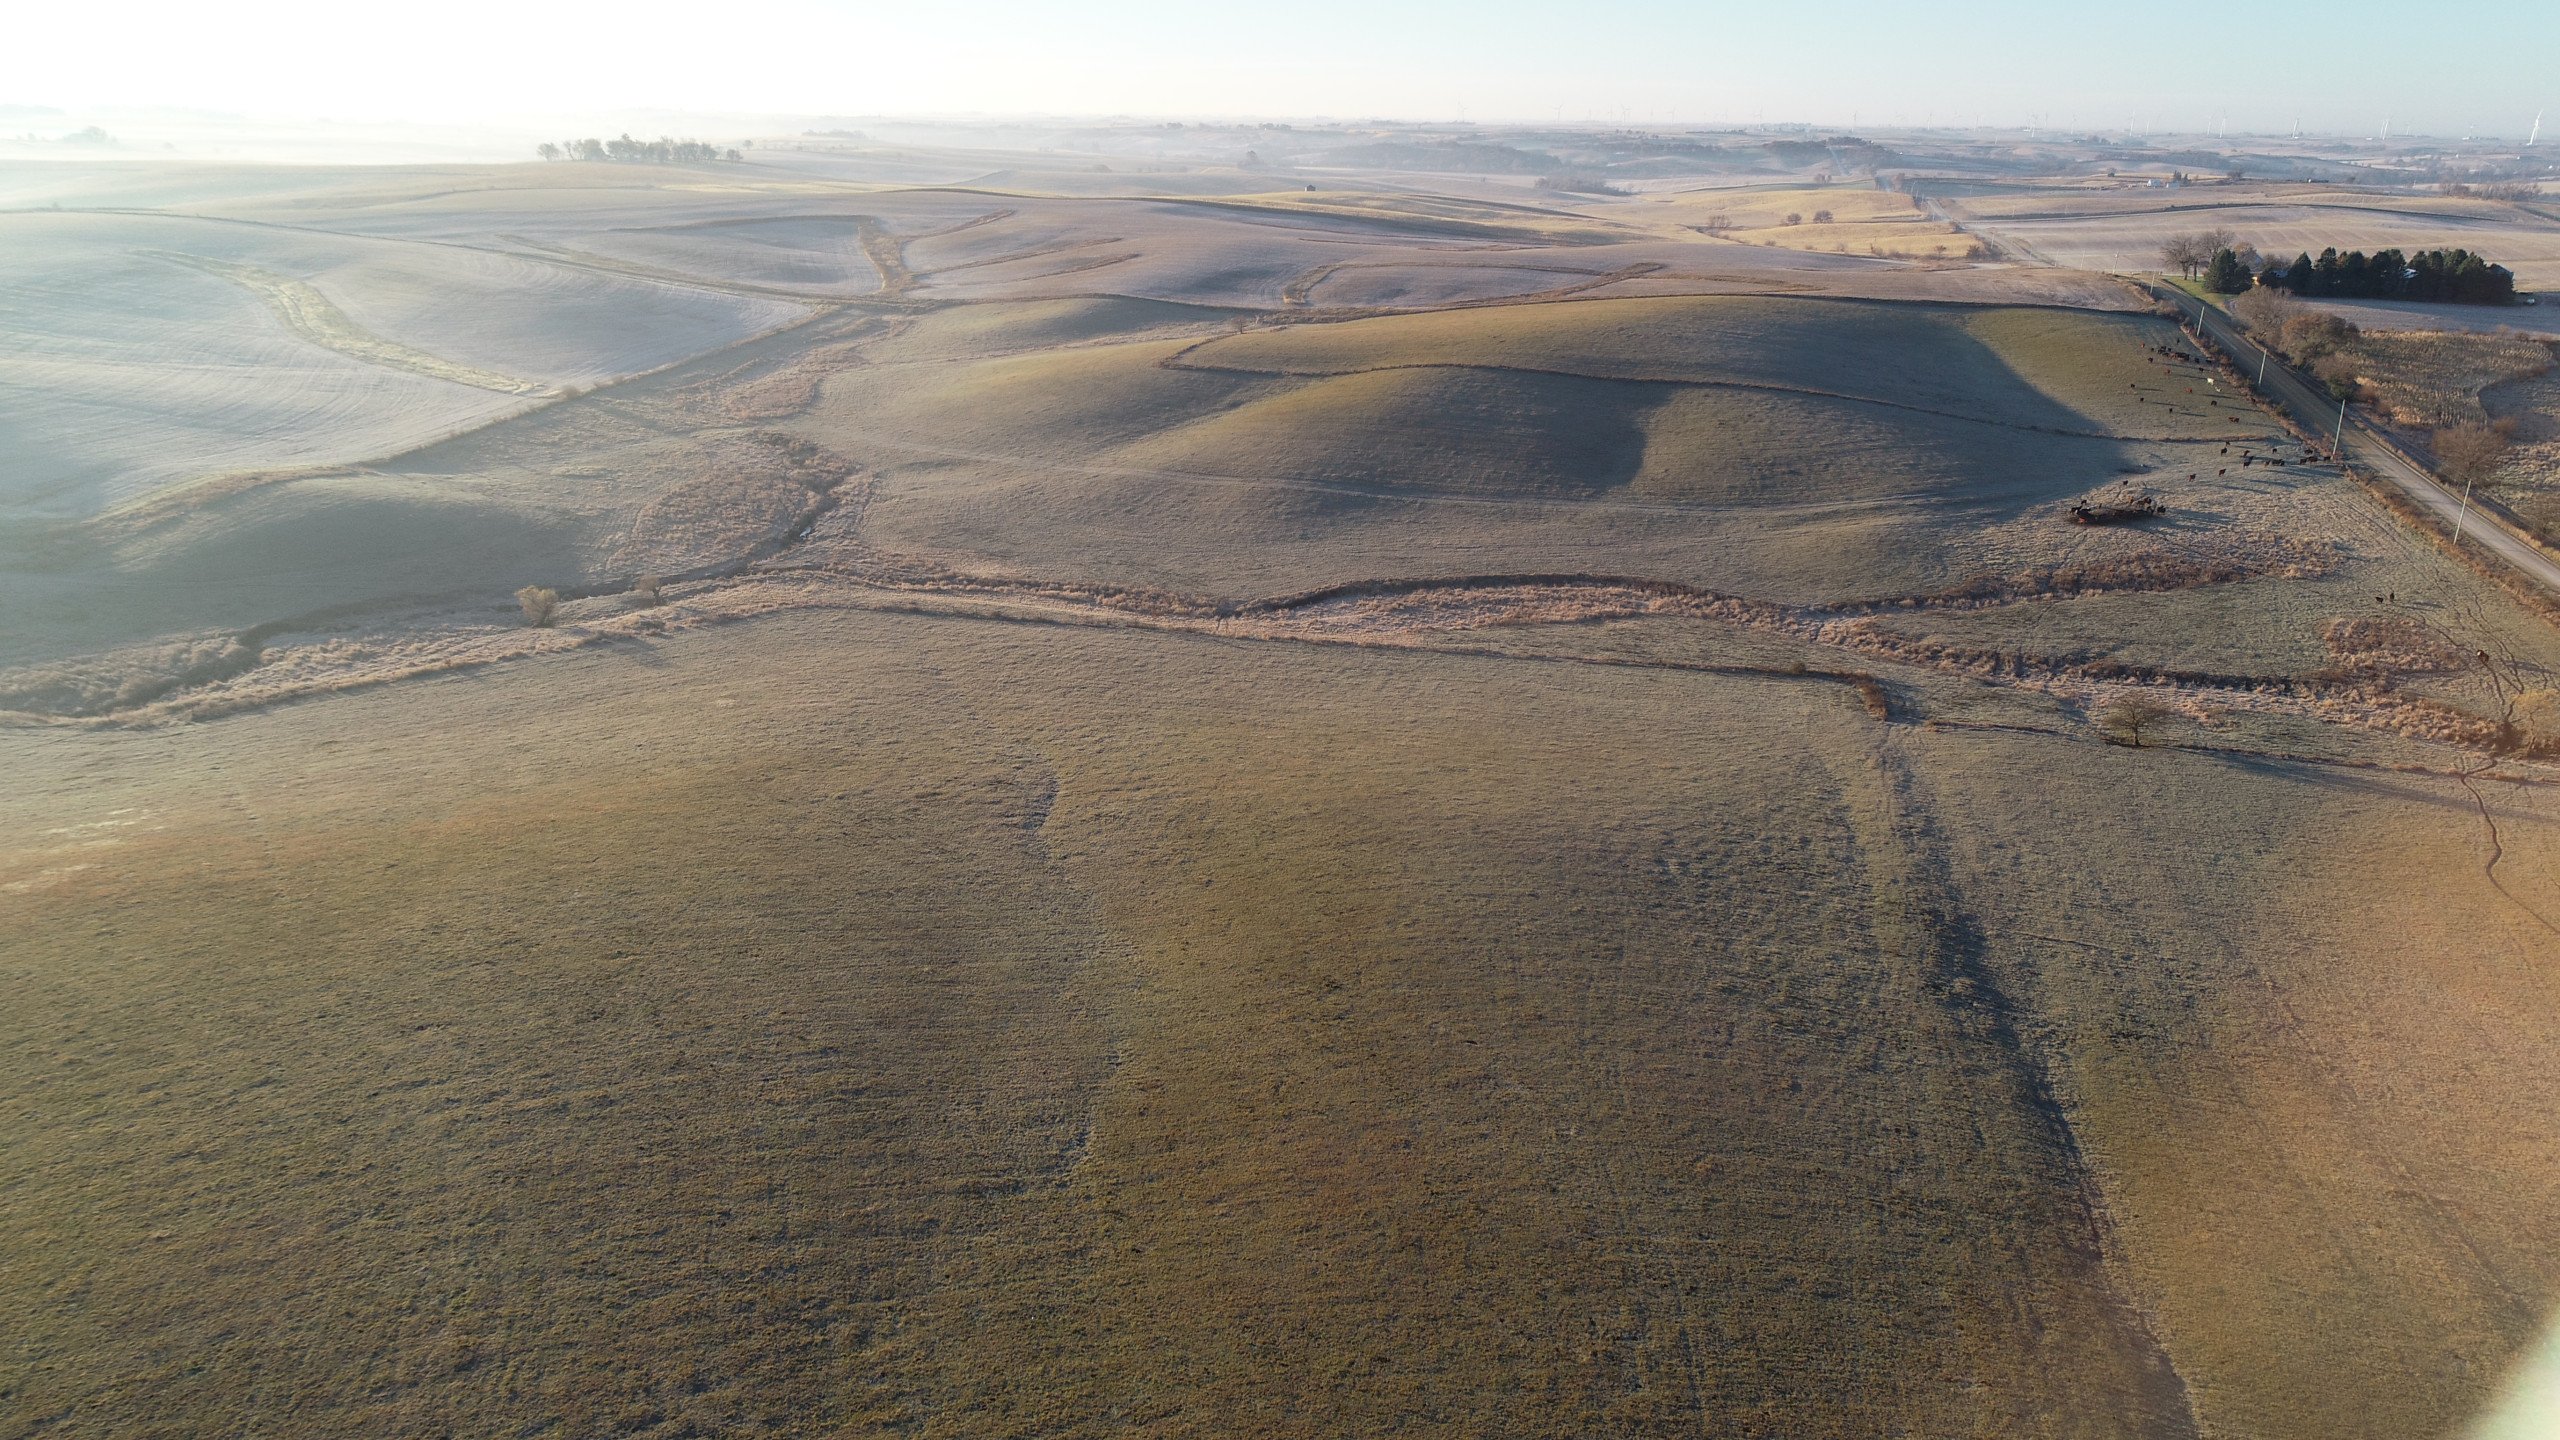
[[1166, 802]]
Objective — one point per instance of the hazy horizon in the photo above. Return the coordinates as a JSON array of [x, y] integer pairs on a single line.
[[1620, 62]]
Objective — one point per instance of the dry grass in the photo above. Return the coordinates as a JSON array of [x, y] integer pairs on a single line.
[[2528, 412], [1897, 240], [1753, 208], [1007, 1004], [2436, 379], [312, 315], [1525, 870], [2390, 645], [757, 493]]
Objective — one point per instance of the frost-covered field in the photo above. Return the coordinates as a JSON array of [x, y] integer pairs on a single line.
[[138, 351], [2113, 231]]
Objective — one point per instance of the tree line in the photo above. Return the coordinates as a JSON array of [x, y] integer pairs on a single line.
[[2228, 266], [2469, 446], [2456, 275], [622, 148]]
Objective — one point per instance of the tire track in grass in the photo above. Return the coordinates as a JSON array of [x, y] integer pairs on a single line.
[[1988, 1009]]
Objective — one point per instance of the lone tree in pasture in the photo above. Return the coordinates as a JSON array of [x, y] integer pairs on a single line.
[[1821, 217], [2126, 721], [1794, 218], [541, 605]]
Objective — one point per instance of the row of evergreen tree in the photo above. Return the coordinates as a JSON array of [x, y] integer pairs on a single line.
[[661, 151], [2456, 275]]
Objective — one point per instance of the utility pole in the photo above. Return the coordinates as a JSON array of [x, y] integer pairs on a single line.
[[2465, 514]]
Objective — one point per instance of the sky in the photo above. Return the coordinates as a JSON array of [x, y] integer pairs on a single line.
[[2344, 67]]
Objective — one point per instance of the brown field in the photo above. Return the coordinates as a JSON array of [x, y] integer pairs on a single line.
[[1864, 221], [1242, 811], [2122, 229]]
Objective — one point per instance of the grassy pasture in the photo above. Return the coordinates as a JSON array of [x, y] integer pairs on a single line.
[[948, 1011], [1488, 431], [1323, 452], [1910, 355], [1086, 1031], [980, 331], [1430, 215], [817, 254], [1408, 284]]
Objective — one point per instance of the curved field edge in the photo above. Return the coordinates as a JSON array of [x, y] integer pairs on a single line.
[[301, 308]]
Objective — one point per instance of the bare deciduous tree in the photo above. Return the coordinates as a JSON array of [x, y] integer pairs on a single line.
[[2189, 254], [2470, 452], [2264, 311], [2309, 334], [2337, 371], [2127, 720], [2185, 254], [541, 604]]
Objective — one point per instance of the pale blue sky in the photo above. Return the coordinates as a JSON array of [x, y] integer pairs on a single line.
[[2336, 66]]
